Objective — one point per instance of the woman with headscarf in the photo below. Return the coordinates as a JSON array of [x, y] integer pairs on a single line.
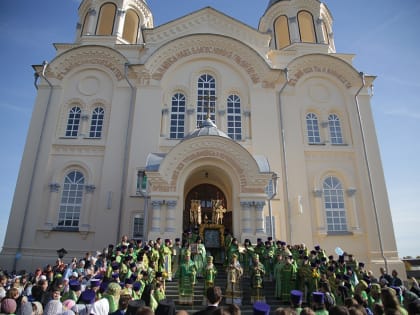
[[53, 307]]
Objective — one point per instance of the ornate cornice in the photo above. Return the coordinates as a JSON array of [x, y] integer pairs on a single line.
[[315, 64], [60, 149], [207, 21], [87, 56], [217, 46]]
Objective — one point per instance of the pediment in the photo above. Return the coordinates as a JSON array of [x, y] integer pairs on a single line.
[[207, 21]]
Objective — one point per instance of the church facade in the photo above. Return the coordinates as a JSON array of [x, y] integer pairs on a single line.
[[134, 125]]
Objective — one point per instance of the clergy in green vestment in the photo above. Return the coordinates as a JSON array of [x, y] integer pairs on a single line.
[[257, 280], [288, 275], [186, 280]]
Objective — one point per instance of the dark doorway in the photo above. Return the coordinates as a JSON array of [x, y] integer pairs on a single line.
[[206, 193]]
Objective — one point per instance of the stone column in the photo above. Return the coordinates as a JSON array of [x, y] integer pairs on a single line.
[[164, 124], [84, 215], [90, 21], [53, 205], [191, 119], [221, 119], [294, 30], [259, 217], [351, 193], [319, 210], [170, 216], [246, 130], [119, 23], [156, 215], [246, 217]]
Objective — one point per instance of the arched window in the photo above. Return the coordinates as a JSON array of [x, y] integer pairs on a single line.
[[106, 19], [71, 200], [131, 26], [177, 116], [73, 122], [234, 122], [281, 29], [97, 123], [306, 27], [335, 211], [85, 27], [336, 136], [206, 98], [312, 127]]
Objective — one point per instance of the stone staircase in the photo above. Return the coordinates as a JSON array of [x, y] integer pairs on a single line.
[[246, 308]]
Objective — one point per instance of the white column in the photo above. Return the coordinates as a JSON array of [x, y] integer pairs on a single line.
[[164, 127], [246, 130], [53, 205], [119, 22], [259, 217], [91, 25], [170, 216], [156, 212], [84, 218], [191, 119], [319, 210], [351, 193], [294, 30], [221, 119], [246, 217]]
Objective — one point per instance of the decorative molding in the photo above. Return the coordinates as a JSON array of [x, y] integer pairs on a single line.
[[54, 187], [220, 47], [317, 193], [88, 56], [319, 63], [351, 192], [247, 113], [90, 189], [86, 150]]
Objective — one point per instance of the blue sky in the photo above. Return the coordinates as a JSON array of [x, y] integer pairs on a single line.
[[382, 34]]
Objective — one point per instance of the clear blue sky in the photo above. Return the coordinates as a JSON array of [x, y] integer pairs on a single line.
[[382, 34]]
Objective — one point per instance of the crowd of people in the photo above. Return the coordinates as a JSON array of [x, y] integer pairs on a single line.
[[131, 277]]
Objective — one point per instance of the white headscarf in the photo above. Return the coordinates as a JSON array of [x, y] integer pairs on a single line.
[[53, 307], [100, 307]]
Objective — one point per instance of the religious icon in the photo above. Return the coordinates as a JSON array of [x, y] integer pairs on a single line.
[[195, 212]]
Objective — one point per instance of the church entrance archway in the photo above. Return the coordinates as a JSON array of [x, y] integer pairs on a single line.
[[205, 193]]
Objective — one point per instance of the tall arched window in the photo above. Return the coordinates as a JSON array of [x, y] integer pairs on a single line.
[[131, 26], [106, 19], [336, 136], [306, 27], [312, 127], [206, 98], [73, 122], [177, 116], [97, 123], [234, 121], [71, 200], [335, 211], [281, 29]]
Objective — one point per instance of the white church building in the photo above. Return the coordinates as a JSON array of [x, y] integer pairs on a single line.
[[133, 122]]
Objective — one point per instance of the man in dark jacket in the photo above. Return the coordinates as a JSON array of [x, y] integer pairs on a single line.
[[214, 297]]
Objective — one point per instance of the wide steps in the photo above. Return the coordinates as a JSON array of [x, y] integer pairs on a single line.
[[246, 308]]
